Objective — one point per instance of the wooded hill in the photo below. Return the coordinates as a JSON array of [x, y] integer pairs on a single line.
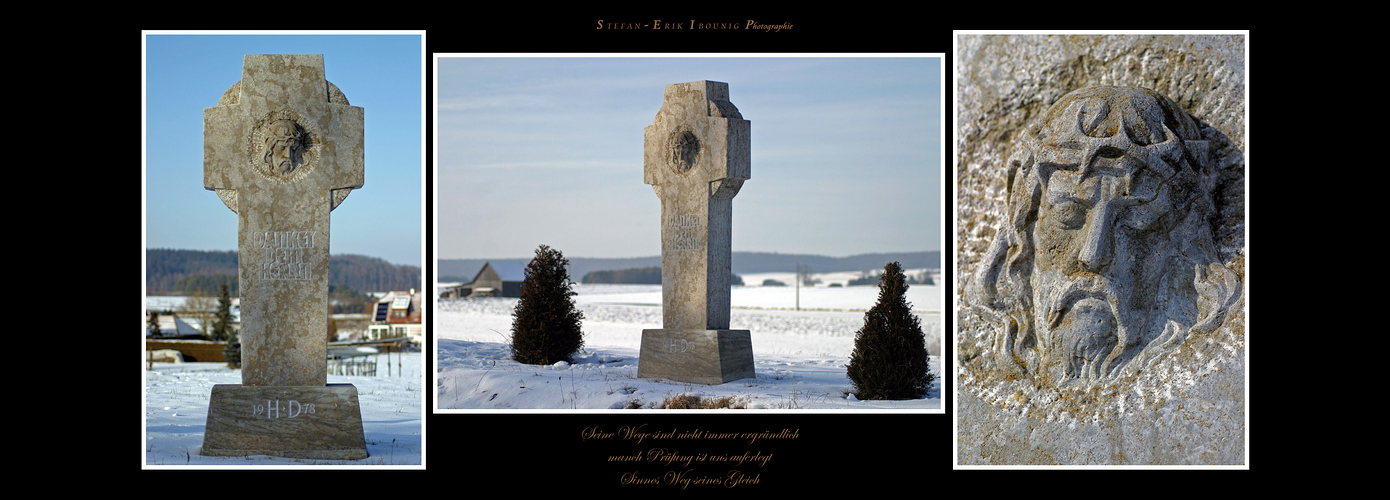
[[639, 276], [642, 275], [169, 271], [463, 270]]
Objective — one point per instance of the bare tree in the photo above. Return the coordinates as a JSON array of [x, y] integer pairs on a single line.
[[201, 307]]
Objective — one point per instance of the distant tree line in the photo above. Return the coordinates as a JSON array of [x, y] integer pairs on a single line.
[[186, 271], [342, 299], [164, 268], [763, 262], [208, 284], [371, 274], [637, 276], [462, 270], [873, 279]]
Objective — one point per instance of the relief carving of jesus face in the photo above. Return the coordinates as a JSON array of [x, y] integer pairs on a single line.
[[685, 150], [1103, 217], [284, 146], [1108, 234]]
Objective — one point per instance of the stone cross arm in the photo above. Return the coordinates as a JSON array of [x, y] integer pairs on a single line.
[[697, 138]]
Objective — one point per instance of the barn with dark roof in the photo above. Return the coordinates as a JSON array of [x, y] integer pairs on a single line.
[[500, 279]]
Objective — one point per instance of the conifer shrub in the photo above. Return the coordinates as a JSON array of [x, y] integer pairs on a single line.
[[222, 319], [546, 324], [231, 352], [890, 352], [152, 325]]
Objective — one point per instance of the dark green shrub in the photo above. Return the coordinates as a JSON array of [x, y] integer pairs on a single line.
[[222, 319], [890, 352], [546, 324], [231, 352]]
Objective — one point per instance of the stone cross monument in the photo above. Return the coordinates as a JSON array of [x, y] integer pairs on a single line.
[[282, 149], [696, 158]]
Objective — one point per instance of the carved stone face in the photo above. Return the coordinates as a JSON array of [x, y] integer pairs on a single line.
[[284, 146], [1103, 204], [1108, 175], [685, 150]]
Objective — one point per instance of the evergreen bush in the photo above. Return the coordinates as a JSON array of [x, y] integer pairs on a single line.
[[222, 319], [546, 324], [890, 353], [231, 352], [152, 325]]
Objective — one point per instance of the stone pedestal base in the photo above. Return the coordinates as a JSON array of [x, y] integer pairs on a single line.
[[696, 356], [322, 422]]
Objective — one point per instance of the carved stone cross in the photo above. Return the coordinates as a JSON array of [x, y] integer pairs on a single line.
[[696, 158], [283, 148]]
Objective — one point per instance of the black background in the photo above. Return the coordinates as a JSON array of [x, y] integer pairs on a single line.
[[541, 454]]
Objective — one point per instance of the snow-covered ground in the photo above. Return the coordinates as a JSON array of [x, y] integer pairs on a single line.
[[799, 355], [176, 410]]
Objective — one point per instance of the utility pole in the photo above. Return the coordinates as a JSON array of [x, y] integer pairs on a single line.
[[798, 286]]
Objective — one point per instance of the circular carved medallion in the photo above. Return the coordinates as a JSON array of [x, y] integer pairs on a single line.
[[282, 146]]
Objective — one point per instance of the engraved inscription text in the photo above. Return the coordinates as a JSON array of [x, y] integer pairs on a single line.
[[282, 254], [684, 231], [274, 409], [677, 345]]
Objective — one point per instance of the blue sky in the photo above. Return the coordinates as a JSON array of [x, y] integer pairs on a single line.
[[846, 153], [382, 73]]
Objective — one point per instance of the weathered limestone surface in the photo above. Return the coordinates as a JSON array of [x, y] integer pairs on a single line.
[[696, 157], [1100, 260], [299, 422], [696, 356], [282, 149]]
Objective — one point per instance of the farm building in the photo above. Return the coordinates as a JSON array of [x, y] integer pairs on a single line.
[[502, 279]]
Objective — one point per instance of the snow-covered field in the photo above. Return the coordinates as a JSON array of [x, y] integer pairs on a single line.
[[176, 410], [799, 355]]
